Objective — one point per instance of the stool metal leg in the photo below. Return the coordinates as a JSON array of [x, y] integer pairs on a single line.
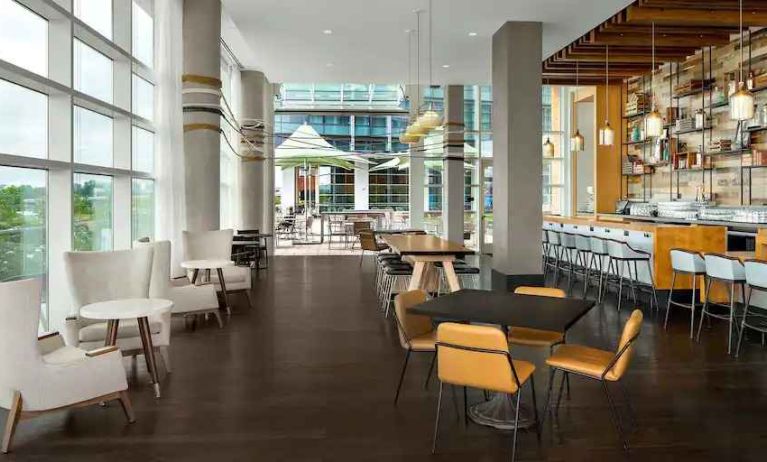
[[704, 311], [652, 284], [670, 294], [743, 323]]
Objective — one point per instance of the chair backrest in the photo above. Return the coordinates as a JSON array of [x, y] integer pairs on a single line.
[[583, 242], [598, 245], [474, 356], [410, 325], [360, 225], [756, 273], [207, 245], [19, 318], [724, 267], [544, 237], [626, 345], [567, 240], [540, 291], [553, 237], [368, 240], [688, 261], [159, 284], [247, 231], [101, 276]]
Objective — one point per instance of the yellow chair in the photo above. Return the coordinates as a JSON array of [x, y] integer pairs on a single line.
[[479, 357], [416, 332], [601, 365], [536, 337], [368, 242]]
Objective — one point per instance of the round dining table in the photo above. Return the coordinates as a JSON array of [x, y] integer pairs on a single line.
[[207, 265], [140, 309]]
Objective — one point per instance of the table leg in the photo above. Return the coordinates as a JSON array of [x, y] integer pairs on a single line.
[[111, 337], [452, 278], [223, 290], [417, 280], [194, 275], [146, 342]]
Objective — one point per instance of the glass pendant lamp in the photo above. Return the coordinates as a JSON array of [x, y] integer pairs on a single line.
[[577, 142], [742, 101], [653, 121], [548, 148], [606, 133]]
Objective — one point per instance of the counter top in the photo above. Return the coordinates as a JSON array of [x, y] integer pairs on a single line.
[[682, 221], [605, 223]]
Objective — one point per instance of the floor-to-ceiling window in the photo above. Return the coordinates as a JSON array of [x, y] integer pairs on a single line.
[[554, 167], [76, 135]]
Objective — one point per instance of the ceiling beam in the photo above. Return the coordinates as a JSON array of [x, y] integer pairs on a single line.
[[661, 40], [709, 4], [693, 17]]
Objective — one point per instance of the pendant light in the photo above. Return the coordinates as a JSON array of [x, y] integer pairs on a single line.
[[653, 121], [606, 133], [577, 142], [430, 119], [742, 101], [548, 146], [415, 131]]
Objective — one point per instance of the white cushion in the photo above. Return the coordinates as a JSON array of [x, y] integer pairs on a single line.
[[190, 298], [127, 328], [64, 355]]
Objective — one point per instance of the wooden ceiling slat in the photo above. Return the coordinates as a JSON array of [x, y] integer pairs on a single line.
[[693, 17], [669, 40]]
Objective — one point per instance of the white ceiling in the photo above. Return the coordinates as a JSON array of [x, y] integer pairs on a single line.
[[285, 39]]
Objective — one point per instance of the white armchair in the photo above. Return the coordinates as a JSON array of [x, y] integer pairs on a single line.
[[217, 245], [101, 276], [188, 299], [41, 375]]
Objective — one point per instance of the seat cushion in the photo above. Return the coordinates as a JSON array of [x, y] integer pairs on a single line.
[[581, 359], [97, 332], [534, 337], [63, 355], [425, 342]]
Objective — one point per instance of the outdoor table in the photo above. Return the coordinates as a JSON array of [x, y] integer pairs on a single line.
[[112, 311], [505, 309], [208, 265], [423, 251]]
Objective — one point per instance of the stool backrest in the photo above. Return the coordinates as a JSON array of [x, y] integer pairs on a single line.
[[756, 273], [567, 240], [598, 245], [687, 261], [583, 242], [724, 267], [553, 236]]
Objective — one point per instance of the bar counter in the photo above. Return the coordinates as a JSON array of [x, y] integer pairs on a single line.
[[656, 238]]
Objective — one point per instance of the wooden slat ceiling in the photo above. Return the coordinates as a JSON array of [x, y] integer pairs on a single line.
[[681, 28]]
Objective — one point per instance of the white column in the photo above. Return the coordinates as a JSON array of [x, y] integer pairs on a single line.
[[288, 192], [268, 194], [361, 186], [202, 70], [416, 172], [452, 172], [252, 172], [517, 162]]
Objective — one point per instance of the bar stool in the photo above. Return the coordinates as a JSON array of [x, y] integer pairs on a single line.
[[690, 263], [380, 259], [555, 248], [582, 257], [754, 316], [598, 254], [567, 242], [621, 253], [396, 279], [727, 270], [544, 251]]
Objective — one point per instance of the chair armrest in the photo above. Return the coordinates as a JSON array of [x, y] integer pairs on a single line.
[[101, 351], [50, 342]]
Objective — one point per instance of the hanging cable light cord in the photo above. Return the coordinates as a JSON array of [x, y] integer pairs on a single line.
[[740, 35], [431, 52], [607, 82]]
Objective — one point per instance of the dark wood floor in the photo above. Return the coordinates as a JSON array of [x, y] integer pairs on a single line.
[[308, 374]]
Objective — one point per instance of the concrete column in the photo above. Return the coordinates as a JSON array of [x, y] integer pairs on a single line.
[[517, 162], [452, 163], [416, 172], [251, 184], [202, 151], [361, 186], [288, 192], [268, 193]]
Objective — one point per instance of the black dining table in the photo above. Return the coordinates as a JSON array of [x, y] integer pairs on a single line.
[[505, 309]]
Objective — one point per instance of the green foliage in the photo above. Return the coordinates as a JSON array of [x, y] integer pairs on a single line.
[[22, 231]]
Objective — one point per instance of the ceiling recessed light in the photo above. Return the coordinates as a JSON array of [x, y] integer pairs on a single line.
[[472, 34], [446, 66], [327, 32]]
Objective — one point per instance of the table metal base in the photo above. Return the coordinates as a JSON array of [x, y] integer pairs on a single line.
[[499, 413]]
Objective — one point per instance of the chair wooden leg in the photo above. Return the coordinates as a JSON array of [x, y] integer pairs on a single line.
[[217, 314], [436, 420], [14, 415], [127, 406], [401, 376]]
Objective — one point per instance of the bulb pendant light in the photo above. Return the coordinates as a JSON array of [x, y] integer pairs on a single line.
[[430, 119], [654, 120], [606, 133], [742, 101], [548, 148], [577, 142]]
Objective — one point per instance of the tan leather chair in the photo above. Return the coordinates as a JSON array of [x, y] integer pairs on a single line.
[[479, 357], [605, 366], [536, 337], [368, 242], [416, 332]]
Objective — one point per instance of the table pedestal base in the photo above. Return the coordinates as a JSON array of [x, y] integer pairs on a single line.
[[499, 413]]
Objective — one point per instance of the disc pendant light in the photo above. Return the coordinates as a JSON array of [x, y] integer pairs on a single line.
[[606, 133], [415, 131], [577, 142], [407, 136], [653, 121], [742, 101], [430, 119]]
